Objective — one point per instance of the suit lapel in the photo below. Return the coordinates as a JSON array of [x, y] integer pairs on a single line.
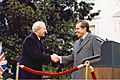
[[77, 45], [87, 38]]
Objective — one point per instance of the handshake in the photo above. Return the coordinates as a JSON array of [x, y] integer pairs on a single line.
[[55, 58]]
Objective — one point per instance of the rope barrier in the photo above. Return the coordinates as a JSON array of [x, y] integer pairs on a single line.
[[51, 74], [93, 73], [87, 64]]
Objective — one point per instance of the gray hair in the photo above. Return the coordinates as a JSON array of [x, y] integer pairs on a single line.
[[37, 25]]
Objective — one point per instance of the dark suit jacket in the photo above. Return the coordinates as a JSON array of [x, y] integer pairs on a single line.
[[33, 56], [90, 46]]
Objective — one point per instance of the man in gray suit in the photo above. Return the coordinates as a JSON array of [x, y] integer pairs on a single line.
[[86, 46]]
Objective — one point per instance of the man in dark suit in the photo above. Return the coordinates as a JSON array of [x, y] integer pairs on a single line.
[[86, 46], [33, 55]]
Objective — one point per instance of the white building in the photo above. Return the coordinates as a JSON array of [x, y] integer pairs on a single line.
[[107, 24]]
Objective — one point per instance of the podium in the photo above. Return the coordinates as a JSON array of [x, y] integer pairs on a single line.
[[109, 65]]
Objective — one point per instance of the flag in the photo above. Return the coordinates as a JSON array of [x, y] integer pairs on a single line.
[[3, 62]]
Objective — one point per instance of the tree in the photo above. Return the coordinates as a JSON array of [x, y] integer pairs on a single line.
[[60, 16]]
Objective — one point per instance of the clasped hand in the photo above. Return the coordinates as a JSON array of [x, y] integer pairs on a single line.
[[55, 58]]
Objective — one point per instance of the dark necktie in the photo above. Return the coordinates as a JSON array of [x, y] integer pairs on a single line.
[[81, 39]]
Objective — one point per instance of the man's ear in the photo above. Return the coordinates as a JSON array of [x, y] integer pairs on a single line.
[[85, 28]]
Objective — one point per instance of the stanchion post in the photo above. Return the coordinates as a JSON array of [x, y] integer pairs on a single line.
[[17, 71], [86, 71]]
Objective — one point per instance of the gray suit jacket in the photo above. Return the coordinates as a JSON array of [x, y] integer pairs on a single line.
[[90, 46]]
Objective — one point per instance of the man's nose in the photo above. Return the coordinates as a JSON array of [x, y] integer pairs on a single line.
[[46, 31]]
